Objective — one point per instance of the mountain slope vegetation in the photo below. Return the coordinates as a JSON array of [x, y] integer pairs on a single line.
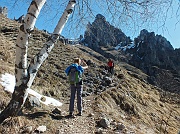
[[123, 103]]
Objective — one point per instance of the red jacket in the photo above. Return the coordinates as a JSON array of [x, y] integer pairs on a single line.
[[110, 63]]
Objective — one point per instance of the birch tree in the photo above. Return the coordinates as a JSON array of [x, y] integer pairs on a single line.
[[25, 74]]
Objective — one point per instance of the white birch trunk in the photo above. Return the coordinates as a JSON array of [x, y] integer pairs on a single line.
[[22, 40], [20, 92], [43, 54], [22, 45]]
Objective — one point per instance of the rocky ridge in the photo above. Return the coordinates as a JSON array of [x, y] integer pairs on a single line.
[[156, 57]]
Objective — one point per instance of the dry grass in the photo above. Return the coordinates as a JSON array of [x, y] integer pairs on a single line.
[[138, 104]]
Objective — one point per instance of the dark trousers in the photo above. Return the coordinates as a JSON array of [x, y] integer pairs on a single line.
[[76, 89], [111, 70]]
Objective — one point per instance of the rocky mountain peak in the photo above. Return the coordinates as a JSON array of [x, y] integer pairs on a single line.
[[156, 41], [155, 56], [101, 34], [151, 49], [100, 17]]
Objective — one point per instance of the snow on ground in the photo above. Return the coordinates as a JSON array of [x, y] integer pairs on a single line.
[[124, 48], [8, 82]]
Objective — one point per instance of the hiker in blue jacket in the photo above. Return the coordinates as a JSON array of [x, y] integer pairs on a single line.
[[76, 87]]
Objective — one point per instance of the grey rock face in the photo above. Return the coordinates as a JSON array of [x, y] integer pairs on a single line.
[[101, 33], [155, 56]]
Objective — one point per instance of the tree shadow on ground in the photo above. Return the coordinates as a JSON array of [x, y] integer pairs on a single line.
[[43, 114], [36, 115], [59, 117]]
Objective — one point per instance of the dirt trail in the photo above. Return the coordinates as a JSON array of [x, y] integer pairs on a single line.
[[84, 124]]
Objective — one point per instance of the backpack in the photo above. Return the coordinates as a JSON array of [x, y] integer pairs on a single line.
[[74, 76]]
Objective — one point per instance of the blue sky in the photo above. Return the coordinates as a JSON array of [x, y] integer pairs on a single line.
[[49, 18]]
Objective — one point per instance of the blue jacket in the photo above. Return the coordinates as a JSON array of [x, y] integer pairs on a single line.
[[79, 68]]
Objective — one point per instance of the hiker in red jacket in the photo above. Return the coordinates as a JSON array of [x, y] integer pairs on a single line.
[[110, 66]]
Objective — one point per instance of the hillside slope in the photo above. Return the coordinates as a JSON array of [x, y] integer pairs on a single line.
[[123, 103]]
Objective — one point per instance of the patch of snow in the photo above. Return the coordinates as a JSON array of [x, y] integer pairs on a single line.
[[75, 45], [8, 82], [82, 39], [124, 48], [118, 47]]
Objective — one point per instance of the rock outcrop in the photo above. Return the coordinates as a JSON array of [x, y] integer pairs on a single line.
[[155, 56], [4, 11], [151, 50], [101, 34]]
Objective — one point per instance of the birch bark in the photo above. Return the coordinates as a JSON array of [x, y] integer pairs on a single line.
[[20, 92], [43, 54]]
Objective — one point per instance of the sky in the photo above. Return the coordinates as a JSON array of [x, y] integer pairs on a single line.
[[8, 82], [49, 17]]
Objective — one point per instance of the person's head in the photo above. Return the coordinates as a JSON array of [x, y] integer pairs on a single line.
[[77, 60]]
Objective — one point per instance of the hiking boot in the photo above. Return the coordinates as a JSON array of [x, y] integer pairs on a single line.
[[79, 114], [71, 115]]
